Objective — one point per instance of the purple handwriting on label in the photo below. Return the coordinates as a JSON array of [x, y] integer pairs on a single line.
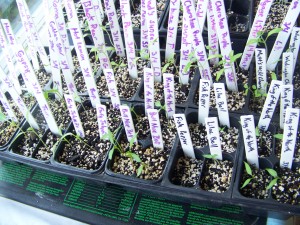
[[148, 88], [286, 101], [169, 94], [155, 128], [127, 122], [102, 119], [8, 31]]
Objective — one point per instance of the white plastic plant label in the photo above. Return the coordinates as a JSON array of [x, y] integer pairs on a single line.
[[60, 21], [212, 34], [84, 62], [153, 40], [7, 107], [114, 27], [128, 37], [258, 24], [128, 123], [169, 94], [286, 101], [18, 100], [261, 69], [172, 28], [225, 43], [282, 38], [148, 88], [198, 44], [112, 87], [289, 138], [71, 10], [221, 103], [249, 136], [8, 31], [156, 135], [74, 115], [201, 10], [295, 44], [99, 10], [97, 33], [270, 104], [29, 75], [184, 135], [102, 119], [204, 95], [213, 137], [185, 51], [144, 31], [287, 67]]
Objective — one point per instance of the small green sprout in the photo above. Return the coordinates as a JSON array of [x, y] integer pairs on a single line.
[[274, 174], [249, 172]]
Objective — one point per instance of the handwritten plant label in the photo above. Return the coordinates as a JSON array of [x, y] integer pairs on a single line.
[[169, 93], [102, 119], [128, 123], [258, 24], [261, 69], [63, 60], [212, 34], [84, 62], [270, 104], [18, 100], [155, 128], [221, 103], [198, 44], [112, 87], [225, 43], [60, 21], [213, 136], [201, 10], [148, 88], [97, 33], [287, 67], [286, 101], [204, 95], [99, 10], [295, 44], [186, 49], [153, 39], [249, 136], [184, 135], [114, 27], [287, 26], [71, 10], [144, 31], [172, 28], [29, 75], [74, 115], [8, 31], [128, 36], [289, 138], [7, 107]]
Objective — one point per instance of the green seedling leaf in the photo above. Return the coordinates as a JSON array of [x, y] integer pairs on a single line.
[[208, 156], [164, 69], [110, 48], [140, 170], [252, 41], [131, 142], [111, 152], [246, 182], [123, 65], [219, 74], [273, 76], [272, 183], [214, 56], [257, 132], [253, 87], [272, 172], [278, 136], [248, 169], [158, 104], [274, 31], [235, 57], [2, 117]]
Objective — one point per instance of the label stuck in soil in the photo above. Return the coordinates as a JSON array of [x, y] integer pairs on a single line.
[[169, 94], [270, 104], [148, 88], [112, 87], [156, 135], [249, 136], [212, 34], [172, 28], [258, 24], [144, 31], [286, 101], [287, 68], [213, 137], [128, 123], [204, 95], [184, 135], [221, 104], [102, 119], [198, 44], [153, 39], [295, 44], [289, 138], [128, 37], [6, 106], [283, 36], [114, 27], [261, 69]]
